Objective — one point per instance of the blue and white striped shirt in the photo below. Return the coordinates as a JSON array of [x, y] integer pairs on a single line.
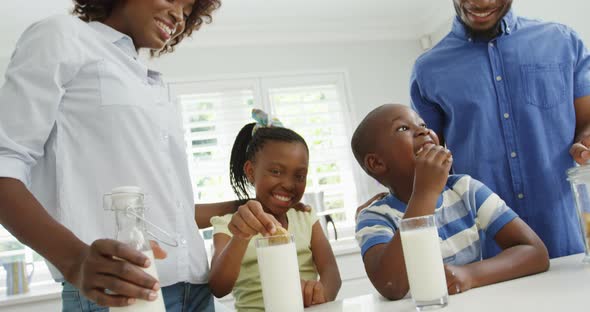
[[464, 210]]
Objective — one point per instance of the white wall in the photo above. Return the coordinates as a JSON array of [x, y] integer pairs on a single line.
[[573, 13], [378, 71]]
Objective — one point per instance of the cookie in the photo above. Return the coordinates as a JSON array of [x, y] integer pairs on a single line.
[[281, 236]]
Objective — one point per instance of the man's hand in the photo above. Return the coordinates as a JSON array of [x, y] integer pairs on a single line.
[[458, 279], [369, 202], [250, 219], [580, 151], [102, 267], [313, 293]]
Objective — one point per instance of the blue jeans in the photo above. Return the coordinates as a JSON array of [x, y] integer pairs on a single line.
[[180, 297]]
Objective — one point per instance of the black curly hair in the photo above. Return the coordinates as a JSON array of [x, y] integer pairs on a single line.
[[245, 148], [99, 10]]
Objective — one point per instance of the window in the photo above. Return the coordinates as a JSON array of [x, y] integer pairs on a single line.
[[11, 250], [315, 106], [213, 113]]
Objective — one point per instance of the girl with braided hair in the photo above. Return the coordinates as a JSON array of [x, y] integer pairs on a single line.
[[273, 162]]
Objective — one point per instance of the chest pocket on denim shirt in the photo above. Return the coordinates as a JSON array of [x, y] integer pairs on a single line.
[[544, 84]]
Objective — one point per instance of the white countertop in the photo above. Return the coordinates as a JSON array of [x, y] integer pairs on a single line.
[[565, 287]]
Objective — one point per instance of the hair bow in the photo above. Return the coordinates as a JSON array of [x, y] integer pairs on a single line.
[[262, 120]]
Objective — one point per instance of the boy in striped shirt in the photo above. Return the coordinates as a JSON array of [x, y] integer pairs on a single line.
[[394, 146]]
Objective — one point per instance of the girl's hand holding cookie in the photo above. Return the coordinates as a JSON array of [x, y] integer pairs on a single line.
[[250, 219]]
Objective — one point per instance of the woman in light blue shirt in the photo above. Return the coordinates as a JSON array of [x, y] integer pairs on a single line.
[[79, 115]]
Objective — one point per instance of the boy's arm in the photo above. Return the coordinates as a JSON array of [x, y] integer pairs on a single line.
[[523, 253], [90, 268], [226, 263], [384, 263], [386, 269], [325, 262]]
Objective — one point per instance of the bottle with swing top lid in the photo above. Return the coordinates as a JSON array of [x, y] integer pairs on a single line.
[[127, 202]]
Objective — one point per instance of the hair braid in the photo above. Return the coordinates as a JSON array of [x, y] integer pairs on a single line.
[[238, 179]]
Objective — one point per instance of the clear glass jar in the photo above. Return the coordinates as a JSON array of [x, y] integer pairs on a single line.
[[128, 204], [579, 178]]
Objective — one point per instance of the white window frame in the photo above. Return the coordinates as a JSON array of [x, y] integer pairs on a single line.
[[256, 82], [206, 86], [264, 81]]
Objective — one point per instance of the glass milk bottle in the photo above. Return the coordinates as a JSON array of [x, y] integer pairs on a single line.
[[128, 204], [279, 273], [579, 178]]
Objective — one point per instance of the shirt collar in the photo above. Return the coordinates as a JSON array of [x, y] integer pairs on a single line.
[[121, 40], [508, 25], [125, 43]]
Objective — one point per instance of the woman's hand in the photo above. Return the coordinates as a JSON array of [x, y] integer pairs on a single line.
[[313, 293], [458, 279], [101, 267], [433, 163], [250, 219]]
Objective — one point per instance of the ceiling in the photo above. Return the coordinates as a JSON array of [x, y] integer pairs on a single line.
[[240, 22]]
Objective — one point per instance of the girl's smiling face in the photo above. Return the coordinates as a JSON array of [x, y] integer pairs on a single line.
[[279, 175], [150, 23]]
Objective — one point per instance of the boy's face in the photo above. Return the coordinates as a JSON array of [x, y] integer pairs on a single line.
[[150, 23], [279, 175], [402, 133]]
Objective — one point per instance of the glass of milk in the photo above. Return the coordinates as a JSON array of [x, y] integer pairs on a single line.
[[424, 263], [279, 273]]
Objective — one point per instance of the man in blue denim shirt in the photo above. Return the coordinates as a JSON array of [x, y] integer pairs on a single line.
[[510, 96]]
